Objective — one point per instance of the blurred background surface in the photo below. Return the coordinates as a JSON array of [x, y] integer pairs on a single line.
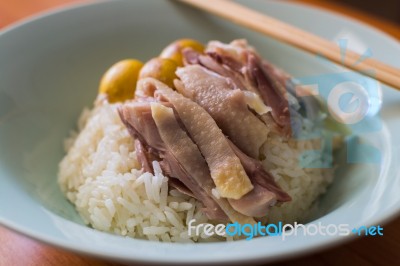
[[385, 9]]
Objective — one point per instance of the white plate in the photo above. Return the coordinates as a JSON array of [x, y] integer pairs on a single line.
[[50, 66]]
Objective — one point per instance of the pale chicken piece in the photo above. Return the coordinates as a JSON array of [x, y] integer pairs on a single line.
[[137, 117], [271, 91], [255, 103], [237, 50], [180, 144], [227, 105], [189, 157], [256, 203], [240, 62], [233, 72], [225, 167]]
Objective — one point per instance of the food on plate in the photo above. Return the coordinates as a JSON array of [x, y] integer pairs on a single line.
[[174, 51], [211, 134], [159, 68], [119, 82]]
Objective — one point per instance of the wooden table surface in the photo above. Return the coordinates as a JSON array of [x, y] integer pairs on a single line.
[[19, 250]]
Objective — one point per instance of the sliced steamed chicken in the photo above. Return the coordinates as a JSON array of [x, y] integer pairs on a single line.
[[207, 134]]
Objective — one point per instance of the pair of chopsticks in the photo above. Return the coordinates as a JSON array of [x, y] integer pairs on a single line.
[[309, 42]]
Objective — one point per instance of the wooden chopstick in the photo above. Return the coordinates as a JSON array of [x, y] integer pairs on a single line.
[[309, 42]]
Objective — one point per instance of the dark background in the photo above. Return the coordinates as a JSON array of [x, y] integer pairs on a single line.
[[384, 9]]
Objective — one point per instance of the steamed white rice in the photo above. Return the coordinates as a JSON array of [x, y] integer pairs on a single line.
[[102, 178]]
